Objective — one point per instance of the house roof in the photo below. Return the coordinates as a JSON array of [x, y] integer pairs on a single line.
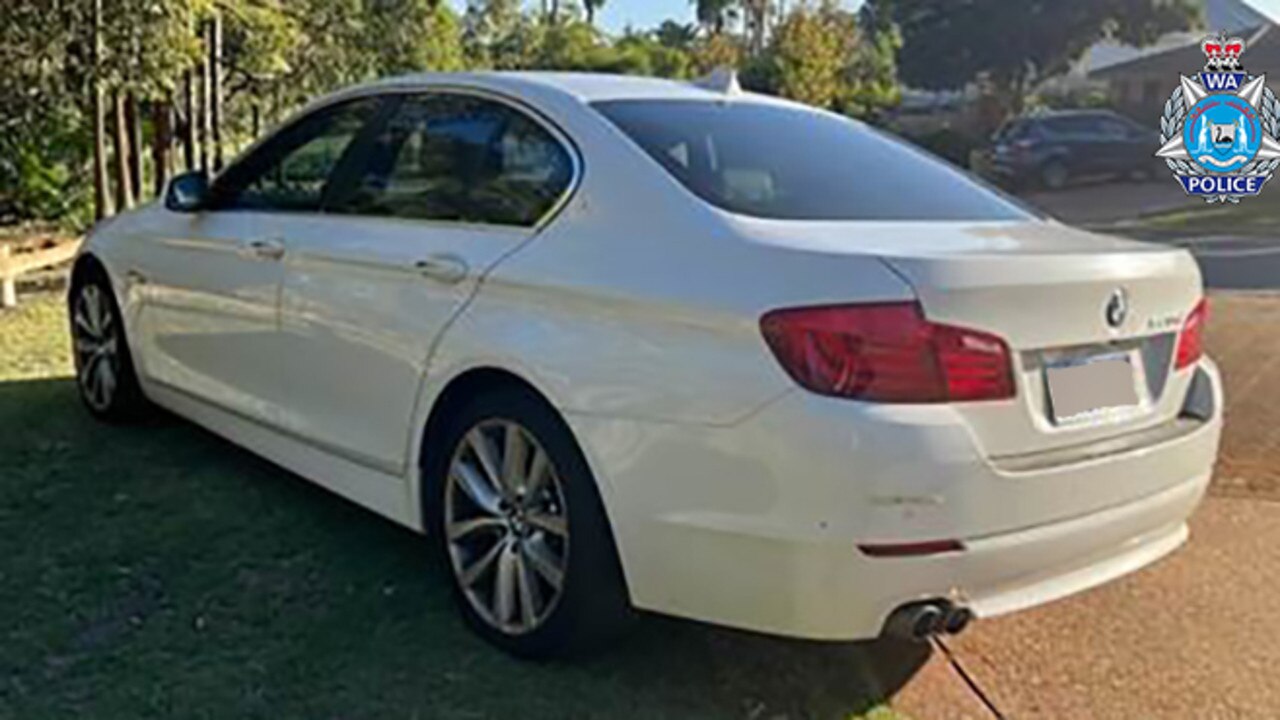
[[1262, 50], [1231, 16]]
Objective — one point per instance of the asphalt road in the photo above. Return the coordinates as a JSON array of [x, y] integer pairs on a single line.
[[1238, 263], [1106, 203], [1228, 263]]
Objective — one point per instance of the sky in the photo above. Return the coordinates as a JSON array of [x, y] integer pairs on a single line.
[[1270, 8]]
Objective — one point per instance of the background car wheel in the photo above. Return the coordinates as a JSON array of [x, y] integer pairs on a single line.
[[520, 528], [105, 375], [1054, 175]]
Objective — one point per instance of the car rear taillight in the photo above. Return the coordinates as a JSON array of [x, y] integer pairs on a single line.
[[887, 352], [1191, 339]]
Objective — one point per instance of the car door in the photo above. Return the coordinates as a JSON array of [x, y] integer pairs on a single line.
[[1077, 135], [209, 324], [1115, 142], [448, 185]]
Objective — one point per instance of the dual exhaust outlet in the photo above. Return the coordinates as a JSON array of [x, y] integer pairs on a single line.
[[925, 619]]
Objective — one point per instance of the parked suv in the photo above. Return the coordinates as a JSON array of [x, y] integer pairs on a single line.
[[1051, 150]]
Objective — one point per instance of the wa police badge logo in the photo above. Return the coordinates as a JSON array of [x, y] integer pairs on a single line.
[[1220, 134]]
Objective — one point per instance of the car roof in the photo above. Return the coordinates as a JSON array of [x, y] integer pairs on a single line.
[[1085, 113], [584, 87]]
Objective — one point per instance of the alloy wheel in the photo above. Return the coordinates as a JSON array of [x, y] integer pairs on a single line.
[[506, 526], [97, 347]]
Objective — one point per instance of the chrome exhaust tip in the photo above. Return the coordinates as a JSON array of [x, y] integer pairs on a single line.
[[957, 620], [922, 620]]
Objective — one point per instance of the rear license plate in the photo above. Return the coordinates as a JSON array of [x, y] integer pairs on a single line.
[[1085, 387]]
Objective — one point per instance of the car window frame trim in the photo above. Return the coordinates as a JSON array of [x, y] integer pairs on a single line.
[[391, 96]]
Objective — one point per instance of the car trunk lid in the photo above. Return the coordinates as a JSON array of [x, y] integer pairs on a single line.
[[1046, 290]]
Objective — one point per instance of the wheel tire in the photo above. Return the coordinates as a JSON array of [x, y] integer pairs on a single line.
[[1054, 175], [105, 375], [592, 605]]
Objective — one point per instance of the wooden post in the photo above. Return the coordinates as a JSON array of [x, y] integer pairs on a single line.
[[206, 105], [215, 89], [135, 146], [8, 283]]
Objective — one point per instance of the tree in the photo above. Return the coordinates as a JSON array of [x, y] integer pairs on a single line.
[[811, 51], [715, 51], [645, 54], [716, 14], [591, 6], [829, 57], [147, 44], [97, 96], [873, 75], [496, 34], [101, 179], [416, 35], [949, 43], [678, 36], [61, 65], [756, 13]]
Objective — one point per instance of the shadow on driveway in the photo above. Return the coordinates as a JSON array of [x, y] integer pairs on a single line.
[[158, 571]]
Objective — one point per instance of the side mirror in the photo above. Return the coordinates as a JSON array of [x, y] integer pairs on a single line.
[[187, 193]]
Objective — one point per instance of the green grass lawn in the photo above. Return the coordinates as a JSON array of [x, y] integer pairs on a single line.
[[1251, 217], [158, 571]]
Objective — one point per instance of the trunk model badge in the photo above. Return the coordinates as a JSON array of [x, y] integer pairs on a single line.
[[1117, 308]]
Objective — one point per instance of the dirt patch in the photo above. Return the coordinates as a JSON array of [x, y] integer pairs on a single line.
[[1244, 338]]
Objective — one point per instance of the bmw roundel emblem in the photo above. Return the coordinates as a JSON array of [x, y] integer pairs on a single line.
[[1117, 308]]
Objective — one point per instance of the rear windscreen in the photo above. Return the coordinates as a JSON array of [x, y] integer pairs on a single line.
[[788, 163]]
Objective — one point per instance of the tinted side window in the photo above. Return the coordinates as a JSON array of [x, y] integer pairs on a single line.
[[292, 171], [1076, 127], [460, 158], [1018, 130], [1062, 127], [1113, 128]]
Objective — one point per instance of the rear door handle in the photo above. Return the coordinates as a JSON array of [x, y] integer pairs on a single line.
[[445, 267], [264, 249]]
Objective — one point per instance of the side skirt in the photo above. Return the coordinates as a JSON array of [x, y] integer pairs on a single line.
[[383, 493]]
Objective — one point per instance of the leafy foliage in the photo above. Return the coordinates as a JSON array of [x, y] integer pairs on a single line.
[[277, 54], [1012, 44]]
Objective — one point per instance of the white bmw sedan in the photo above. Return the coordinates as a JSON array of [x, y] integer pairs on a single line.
[[621, 344]]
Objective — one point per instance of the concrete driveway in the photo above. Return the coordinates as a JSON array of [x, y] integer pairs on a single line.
[[1193, 636]]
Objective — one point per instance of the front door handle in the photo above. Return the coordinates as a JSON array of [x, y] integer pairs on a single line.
[[445, 267], [264, 249]]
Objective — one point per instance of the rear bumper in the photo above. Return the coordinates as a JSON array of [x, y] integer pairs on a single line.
[[757, 525], [1014, 571]]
